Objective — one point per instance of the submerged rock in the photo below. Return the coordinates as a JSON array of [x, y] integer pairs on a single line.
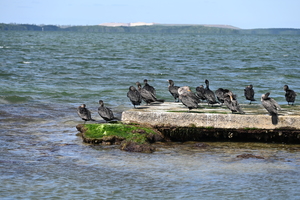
[[248, 155], [201, 145], [135, 147]]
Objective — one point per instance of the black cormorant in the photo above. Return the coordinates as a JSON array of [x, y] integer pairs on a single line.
[[149, 87], [220, 94], [209, 95], [147, 96], [271, 106], [188, 98], [231, 102], [290, 95], [134, 96], [249, 93], [173, 90], [200, 92], [105, 112], [84, 113]]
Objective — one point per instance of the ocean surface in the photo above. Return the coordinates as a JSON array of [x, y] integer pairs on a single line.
[[45, 76]]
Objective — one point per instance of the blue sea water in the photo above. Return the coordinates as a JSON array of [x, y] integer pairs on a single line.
[[45, 76]]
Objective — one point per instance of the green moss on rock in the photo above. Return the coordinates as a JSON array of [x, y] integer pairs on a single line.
[[120, 134]]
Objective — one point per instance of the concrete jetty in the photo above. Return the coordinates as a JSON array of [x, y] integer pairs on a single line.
[[176, 114], [218, 117]]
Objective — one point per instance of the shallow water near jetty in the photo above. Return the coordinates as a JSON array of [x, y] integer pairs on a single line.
[[45, 76]]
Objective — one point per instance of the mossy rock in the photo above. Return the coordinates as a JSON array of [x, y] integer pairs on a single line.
[[117, 133]]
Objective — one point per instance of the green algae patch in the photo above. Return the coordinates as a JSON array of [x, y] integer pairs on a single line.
[[116, 133], [133, 138], [123, 132]]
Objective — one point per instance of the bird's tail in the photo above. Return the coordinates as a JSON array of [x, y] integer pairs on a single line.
[[274, 119]]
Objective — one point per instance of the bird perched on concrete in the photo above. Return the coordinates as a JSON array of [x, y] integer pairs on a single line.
[[220, 94], [188, 98], [84, 113], [105, 112], [147, 96], [200, 92], [249, 93], [290, 95], [271, 106], [209, 95], [149, 87], [173, 90], [231, 102], [134, 96]]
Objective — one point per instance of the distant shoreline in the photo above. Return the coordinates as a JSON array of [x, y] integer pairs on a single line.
[[113, 24], [152, 28]]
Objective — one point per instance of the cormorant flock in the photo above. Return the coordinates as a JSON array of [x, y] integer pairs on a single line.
[[191, 100]]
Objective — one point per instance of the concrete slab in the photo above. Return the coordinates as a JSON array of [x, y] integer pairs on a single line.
[[176, 114]]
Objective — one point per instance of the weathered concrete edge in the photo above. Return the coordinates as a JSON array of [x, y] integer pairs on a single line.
[[226, 121]]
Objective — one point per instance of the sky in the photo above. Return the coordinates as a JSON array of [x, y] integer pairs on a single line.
[[246, 14]]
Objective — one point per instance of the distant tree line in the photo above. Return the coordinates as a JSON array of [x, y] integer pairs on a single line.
[[196, 29], [28, 27]]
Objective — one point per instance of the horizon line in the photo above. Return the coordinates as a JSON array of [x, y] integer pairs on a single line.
[[152, 24]]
